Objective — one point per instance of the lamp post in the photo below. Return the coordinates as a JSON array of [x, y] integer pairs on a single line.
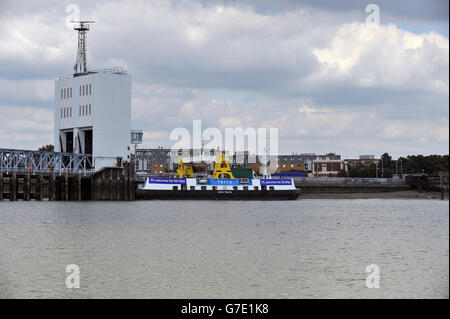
[[401, 168], [376, 169]]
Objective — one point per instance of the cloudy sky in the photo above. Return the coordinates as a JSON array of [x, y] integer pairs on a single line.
[[313, 69]]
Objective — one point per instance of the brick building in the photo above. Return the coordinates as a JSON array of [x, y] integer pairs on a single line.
[[161, 161], [364, 160], [302, 162], [328, 167]]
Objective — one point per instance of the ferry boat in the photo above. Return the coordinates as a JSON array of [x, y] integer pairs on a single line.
[[221, 185]]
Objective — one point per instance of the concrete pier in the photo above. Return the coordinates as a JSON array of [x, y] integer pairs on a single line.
[[342, 188], [110, 183], [113, 183]]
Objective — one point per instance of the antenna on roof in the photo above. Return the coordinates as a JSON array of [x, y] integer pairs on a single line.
[[82, 27]]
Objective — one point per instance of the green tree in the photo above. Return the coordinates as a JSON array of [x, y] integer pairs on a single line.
[[46, 148], [342, 173]]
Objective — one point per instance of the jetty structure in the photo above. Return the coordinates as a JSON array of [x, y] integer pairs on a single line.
[[93, 110], [93, 139], [95, 148]]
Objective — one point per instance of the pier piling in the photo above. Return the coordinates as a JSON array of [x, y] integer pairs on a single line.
[[1, 186], [13, 187]]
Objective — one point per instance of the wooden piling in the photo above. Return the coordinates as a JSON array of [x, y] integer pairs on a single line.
[[13, 187], [66, 187], [1, 186], [51, 187], [78, 180], [26, 187], [38, 194]]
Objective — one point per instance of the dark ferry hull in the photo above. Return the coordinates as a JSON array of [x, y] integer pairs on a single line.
[[218, 194]]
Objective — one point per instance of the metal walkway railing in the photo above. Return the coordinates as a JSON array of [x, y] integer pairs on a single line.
[[18, 161]]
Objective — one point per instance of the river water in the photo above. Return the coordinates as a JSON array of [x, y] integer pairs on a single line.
[[225, 249]]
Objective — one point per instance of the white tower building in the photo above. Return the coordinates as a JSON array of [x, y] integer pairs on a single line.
[[93, 111]]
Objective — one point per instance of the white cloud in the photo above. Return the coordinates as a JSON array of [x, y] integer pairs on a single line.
[[385, 57], [317, 75], [27, 90], [421, 130], [25, 127]]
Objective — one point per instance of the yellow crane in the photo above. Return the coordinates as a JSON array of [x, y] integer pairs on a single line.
[[184, 169], [222, 166]]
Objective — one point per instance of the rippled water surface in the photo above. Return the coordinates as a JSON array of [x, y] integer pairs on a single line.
[[218, 249]]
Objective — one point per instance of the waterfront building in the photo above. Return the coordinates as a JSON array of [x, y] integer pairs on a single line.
[[327, 167], [302, 162], [364, 160], [161, 161], [93, 111]]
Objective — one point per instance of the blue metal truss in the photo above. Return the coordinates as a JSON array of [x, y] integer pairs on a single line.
[[18, 161]]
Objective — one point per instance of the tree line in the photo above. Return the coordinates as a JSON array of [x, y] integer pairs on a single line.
[[411, 164]]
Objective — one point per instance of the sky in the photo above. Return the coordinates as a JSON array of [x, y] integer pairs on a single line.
[[329, 81]]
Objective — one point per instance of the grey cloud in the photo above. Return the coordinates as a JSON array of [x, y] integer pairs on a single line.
[[178, 52]]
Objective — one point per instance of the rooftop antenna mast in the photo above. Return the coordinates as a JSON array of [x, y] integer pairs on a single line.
[[82, 27]]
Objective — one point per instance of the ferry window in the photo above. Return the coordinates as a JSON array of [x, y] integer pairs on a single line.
[[192, 188], [89, 109], [70, 111], [83, 89], [264, 188], [64, 93], [175, 188], [79, 110], [60, 112], [214, 188], [245, 188], [70, 92], [235, 188], [203, 188], [90, 89], [61, 93], [256, 188], [80, 90], [272, 188]]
